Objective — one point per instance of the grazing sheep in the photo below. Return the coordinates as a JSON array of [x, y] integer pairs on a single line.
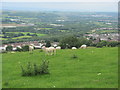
[[83, 46], [74, 48], [58, 47], [14, 49], [31, 48], [3, 49], [50, 50]]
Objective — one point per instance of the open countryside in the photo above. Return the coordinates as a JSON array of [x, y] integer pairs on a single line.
[[91, 66], [44, 45]]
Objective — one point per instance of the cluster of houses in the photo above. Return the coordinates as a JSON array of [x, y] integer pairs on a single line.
[[105, 37], [107, 28], [36, 44]]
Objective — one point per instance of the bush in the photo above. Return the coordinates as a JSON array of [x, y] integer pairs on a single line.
[[113, 44], [74, 56], [99, 45], [48, 44], [70, 42], [33, 70], [9, 48], [25, 48], [73, 41]]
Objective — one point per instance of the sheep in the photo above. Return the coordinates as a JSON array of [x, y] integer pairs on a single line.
[[83, 46], [74, 48], [58, 47], [50, 50], [14, 49], [31, 48]]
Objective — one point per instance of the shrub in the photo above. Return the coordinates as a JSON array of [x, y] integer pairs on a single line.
[[44, 67], [70, 42], [99, 45], [73, 41], [113, 44], [25, 48], [74, 56], [33, 70], [48, 44], [9, 48]]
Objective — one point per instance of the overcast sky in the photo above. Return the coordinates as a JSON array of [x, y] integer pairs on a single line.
[[60, 0], [62, 5]]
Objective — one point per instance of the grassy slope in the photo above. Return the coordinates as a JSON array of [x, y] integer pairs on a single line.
[[65, 71]]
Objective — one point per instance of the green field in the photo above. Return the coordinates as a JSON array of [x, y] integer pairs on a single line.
[[25, 33], [21, 37], [65, 72]]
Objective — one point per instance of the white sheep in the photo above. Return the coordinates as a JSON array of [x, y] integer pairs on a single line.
[[83, 46], [50, 50], [31, 48], [74, 48], [58, 47]]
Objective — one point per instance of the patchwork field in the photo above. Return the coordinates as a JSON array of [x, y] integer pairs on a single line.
[[93, 68], [25, 33], [21, 37]]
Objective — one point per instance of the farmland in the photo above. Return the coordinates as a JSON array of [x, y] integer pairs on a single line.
[[93, 68], [56, 25]]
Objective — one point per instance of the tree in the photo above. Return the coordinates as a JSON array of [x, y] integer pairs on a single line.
[[9, 48], [113, 44], [25, 48], [99, 45], [104, 43], [69, 42], [48, 44]]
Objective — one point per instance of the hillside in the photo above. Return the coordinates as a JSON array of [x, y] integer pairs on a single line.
[[93, 68]]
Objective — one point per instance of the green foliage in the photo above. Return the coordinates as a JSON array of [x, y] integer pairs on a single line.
[[33, 69], [74, 56], [9, 48], [69, 42], [73, 41], [113, 44], [106, 43], [48, 44], [25, 48], [44, 67], [99, 45]]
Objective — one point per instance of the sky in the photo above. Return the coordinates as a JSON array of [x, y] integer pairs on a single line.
[[61, 5], [60, 0]]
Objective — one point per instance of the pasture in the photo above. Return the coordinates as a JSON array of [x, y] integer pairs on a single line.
[[25, 33], [93, 68]]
